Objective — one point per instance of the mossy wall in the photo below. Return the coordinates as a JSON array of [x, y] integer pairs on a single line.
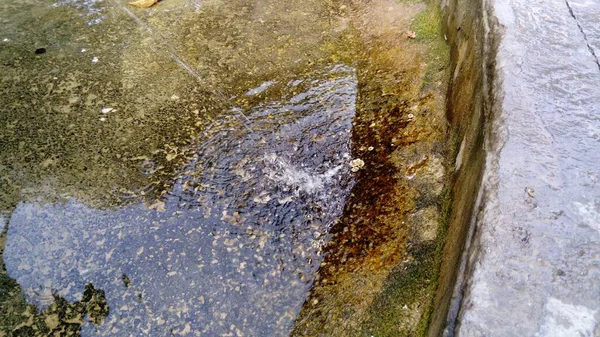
[[380, 269], [468, 109]]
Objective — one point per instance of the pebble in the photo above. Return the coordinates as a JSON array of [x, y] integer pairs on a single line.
[[357, 164], [530, 191]]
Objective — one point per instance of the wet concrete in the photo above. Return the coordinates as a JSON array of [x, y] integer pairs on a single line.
[[533, 267], [221, 246], [185, 170]]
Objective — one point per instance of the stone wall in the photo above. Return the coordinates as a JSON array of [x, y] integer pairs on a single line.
[[469, 104]]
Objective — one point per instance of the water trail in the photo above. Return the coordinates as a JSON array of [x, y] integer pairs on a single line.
[[170, 51], [281, 171]]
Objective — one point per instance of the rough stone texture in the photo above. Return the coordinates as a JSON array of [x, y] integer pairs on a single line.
[[467, 112], [534, 265]]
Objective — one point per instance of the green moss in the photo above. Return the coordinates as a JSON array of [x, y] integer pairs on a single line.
[[405, 306], [407, 290], [412, 287], [18, 318], [427, 24], [428, 28], [61, 318], [410, 2]]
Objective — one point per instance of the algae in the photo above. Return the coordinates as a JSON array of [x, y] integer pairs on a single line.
[[61, 318], [379, 275], [428, 27], [59, 144]]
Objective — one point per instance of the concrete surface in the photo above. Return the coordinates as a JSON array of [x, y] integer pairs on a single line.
[[534, 264], [182, 169]]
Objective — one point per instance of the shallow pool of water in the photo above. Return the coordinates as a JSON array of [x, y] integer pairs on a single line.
[[177, 170]]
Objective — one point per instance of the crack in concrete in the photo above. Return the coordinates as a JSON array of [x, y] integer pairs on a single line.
[[583, 33], [166, 48]]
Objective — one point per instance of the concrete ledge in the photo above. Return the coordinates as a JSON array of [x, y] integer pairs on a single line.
[[468, 108], [533, 267]]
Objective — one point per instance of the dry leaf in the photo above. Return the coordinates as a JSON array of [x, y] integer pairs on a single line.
[[143, 3]]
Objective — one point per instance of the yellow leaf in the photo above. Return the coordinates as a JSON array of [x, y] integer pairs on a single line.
[[143, 3]]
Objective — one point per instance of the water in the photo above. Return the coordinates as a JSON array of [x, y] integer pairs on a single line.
[[235, 242], [179, 170]]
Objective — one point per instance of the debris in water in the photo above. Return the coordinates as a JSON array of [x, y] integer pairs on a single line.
[[262, 198], [143, 3], [357, 164], [126, 281], [159, 206], [530, 192], [261, 88]]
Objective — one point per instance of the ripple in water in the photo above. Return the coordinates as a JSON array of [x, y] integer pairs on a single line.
[[232, 248]]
